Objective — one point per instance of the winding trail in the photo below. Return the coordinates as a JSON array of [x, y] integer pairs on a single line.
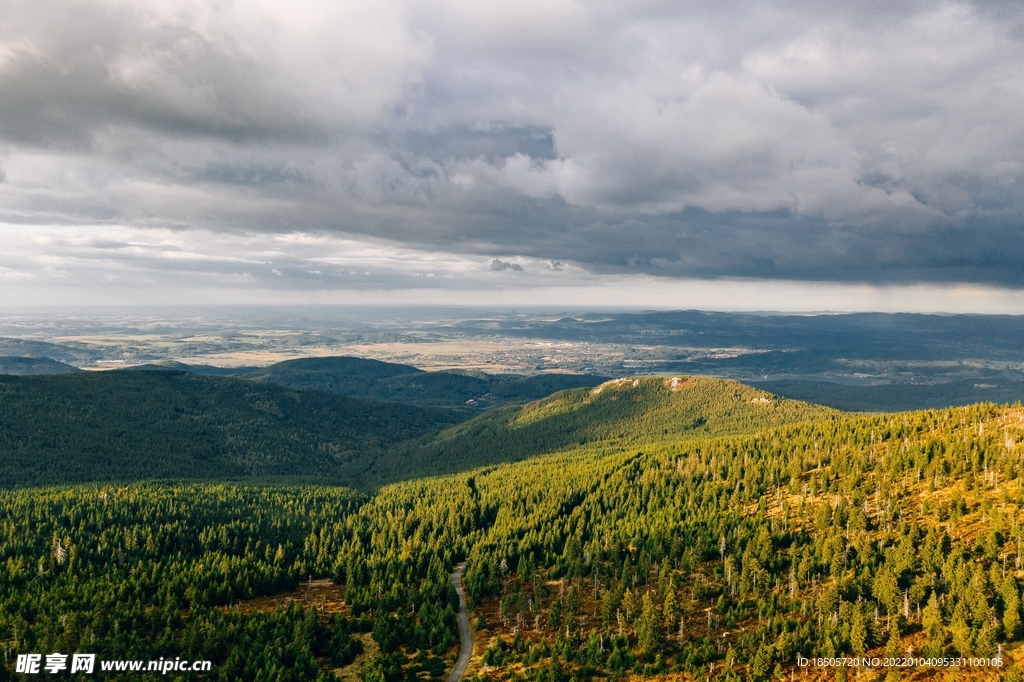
[[466, 647]]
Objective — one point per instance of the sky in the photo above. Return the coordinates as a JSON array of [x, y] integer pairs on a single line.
[[723, 155]]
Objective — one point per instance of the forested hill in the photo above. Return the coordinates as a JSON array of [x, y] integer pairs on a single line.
[[24, 366], [122, 426], [617, 414], [391, 382]]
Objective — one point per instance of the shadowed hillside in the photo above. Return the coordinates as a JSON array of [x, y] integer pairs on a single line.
[[125, 426], [376, 380], [22, 366], [131, 425]]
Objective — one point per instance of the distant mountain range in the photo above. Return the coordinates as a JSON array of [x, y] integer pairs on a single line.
[[362, 378], [863, 336], [899, 397], [474, 391]]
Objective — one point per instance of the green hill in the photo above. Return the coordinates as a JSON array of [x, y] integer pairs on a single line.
[[342, 374], [619, 413], [385, 381], [122, 426], [26, 366], [373, 380]]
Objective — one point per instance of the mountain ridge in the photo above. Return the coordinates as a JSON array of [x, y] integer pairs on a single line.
[[619, 413]]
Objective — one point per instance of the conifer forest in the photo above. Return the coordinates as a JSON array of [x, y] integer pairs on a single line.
[[636, 540]]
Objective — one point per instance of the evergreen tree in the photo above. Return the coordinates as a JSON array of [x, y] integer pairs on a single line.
[[892, 647], [649, 632], [1011, 608], [670, 607], [859, 631], [935, 632]]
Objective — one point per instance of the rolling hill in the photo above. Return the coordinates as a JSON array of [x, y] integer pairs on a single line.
[[391, 382], [27, 366], [617, 414]]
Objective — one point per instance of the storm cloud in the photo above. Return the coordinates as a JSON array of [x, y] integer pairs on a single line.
[[878, 142]]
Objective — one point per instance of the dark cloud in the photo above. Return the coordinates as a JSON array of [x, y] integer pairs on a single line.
[[464, 143], [872, 141], [258, 175], [500, 265]]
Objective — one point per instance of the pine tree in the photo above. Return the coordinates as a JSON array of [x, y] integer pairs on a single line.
[[892, 647], [935, 632], [761, 663], [649, 633], [629, 605], [858, 631], [670, 607], [1011, 608], [373, 669], [527, 568], [985, 642], [960, 631], [887, 591]]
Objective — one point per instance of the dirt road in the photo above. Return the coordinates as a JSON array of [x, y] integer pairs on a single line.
[[466, 647]]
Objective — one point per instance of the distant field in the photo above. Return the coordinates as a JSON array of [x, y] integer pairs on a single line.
[[430, 356], [911, 350]]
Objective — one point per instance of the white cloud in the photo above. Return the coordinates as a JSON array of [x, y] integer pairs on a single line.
[[83, 256], [12, 275]]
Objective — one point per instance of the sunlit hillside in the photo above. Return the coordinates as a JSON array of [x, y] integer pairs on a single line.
[[617, 414]]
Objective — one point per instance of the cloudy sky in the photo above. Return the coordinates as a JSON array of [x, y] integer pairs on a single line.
[[738, 155]]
